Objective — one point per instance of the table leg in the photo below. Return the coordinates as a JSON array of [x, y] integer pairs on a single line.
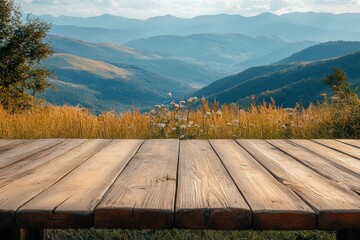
[[21, 234], [348, 235]]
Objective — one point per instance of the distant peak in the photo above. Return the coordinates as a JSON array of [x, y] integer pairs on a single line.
[[267, 14], [167, 16]]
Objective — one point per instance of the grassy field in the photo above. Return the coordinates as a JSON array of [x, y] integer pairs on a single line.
[[174, 121]]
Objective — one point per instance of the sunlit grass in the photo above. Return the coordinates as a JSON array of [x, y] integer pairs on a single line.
[[174, 121]]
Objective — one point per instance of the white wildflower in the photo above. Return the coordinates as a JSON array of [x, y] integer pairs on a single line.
[[161, 125]]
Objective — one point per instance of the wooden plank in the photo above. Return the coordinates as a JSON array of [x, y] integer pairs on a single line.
[[336, 207], [321, 165], [144, 194], [23, 166], [25, 150], [352, 142], [273, 205], [18, 192], [207, 197], [11, 144], [4, 142], [70, 202], [339, 158], [341, 147]]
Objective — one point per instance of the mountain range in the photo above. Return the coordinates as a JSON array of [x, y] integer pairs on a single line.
[[296, 79], [109, 62], [292, 26]]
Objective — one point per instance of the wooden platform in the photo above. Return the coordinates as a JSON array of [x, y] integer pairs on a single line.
[[192, 184]]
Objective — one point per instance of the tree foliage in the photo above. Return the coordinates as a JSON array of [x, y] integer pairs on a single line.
[[22, 49], [345, 105]]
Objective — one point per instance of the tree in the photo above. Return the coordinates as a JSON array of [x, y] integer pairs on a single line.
[[345, 106], [22, 50]]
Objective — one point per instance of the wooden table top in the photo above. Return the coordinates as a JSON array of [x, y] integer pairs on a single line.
[[193, 184]]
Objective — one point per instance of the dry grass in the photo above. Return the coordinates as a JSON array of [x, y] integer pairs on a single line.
[[174, 121]]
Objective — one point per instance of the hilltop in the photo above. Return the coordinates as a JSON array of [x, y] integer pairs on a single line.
[[101, 86], [288, 83]]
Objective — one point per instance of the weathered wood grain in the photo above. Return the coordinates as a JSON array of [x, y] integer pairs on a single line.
[[18, 192], [6, 145], [207, 198], [341, 159], [343, 176], [143, 196], [26, 150], [352, 142], [70, 202], [336, 207], [341, 147], [23, 166], [4, 142], [273, 205]]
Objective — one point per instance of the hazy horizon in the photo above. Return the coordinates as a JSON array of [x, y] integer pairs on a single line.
[[144, 9], [183, 17]]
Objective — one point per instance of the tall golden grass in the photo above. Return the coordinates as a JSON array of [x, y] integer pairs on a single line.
[[175, 121]]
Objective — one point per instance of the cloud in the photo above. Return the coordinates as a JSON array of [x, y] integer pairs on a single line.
[[183, 8]]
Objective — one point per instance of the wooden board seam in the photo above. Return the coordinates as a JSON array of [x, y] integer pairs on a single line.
[[55, 157], [315, 169], [176, 184], [13, 144], [241, 193], [104, 144], [338, 149], [110, 185], [33, 154], [340, 167], [281, 181], [347, 143]]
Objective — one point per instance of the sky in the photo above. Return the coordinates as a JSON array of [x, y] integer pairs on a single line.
[[143, 9]]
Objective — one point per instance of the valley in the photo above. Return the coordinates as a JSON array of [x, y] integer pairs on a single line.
[[224, 57]]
